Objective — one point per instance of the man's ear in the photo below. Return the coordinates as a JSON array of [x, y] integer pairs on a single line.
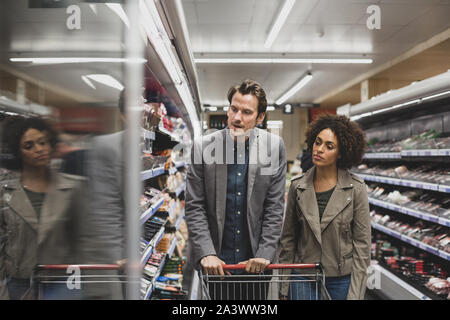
[[260, 118]]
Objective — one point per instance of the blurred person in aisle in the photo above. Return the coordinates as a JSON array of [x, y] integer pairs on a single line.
[[73, 157], [106, 225], [305, 158], [327, 214], [40, 214], [234, 207]]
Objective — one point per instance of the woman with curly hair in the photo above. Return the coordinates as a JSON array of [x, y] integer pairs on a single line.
[[327, 216], [39, 217]]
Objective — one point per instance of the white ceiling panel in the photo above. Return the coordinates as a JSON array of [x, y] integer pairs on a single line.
[[337, 12], [265, 12], [190, 12], [402, 14], [422, 33], [361, 34], [325, 28], [410, 2], [230, 11]]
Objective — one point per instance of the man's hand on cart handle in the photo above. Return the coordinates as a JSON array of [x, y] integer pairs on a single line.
[[255, 265], [213, 266]]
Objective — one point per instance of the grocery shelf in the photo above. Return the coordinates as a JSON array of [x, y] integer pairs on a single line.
[[170, 134], [172, 170], [408, 153], [172, 210], [411, 241], [426, 153], [149, 292], [383, 155], [180, 189], [410, 212], [178, 223], [172, 247], [180, 164], [405, 183], [147, 134], [148, 174], [151, 246], [394, 287], [151, 211], [194, 286]]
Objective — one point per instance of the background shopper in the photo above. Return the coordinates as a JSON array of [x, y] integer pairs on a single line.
[[40, 216]]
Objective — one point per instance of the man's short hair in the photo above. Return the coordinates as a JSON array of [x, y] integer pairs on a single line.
[[250, 87]]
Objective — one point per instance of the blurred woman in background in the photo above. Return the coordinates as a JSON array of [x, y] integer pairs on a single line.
[[40, 216]]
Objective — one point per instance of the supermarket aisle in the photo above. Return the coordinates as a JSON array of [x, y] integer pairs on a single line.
[[383, 64]]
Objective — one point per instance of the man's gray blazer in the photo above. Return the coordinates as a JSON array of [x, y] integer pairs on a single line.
[[206, 190], [107, 196], [105, 226]]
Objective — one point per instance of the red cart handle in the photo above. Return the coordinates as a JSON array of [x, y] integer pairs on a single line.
[[81, 266], [276, 266]]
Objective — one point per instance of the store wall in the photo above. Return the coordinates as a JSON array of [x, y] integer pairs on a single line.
[[294, 128], [293, 132]]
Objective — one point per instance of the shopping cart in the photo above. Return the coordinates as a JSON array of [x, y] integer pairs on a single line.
[[75, 282], [306, 283]]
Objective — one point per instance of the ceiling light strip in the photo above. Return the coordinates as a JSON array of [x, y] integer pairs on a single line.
[[287, 60], [279, 22], [307, 78], [57, 60], [106, 80]]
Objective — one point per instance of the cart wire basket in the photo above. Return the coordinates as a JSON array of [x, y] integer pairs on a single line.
[[304, 282], [77, 282]]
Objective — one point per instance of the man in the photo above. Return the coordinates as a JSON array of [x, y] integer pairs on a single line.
[[105, 226], [235, 201]]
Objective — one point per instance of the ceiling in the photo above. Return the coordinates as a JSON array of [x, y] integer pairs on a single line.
[[217, 28], [314, 28], [42, 32], [426, 64]]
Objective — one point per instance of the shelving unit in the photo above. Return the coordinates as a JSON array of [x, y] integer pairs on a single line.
[[172, 136], [149, 291], [411, 241], [151, 211], [384, 123], [383, 155], [410, 212], [406, 183], [147, 134], [394, 287], [178, 223], [151, 246], [407, 154], [152, 173]]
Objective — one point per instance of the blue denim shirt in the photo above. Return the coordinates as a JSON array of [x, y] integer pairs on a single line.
[[236, 245]]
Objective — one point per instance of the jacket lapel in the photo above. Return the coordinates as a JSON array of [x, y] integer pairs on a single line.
[[16, 198], [54, 208], [252, 163], [341, 197], [221, 188], [308, 204]]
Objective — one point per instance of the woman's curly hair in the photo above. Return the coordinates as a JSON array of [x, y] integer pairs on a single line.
[[15, 128], [351, 139]]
